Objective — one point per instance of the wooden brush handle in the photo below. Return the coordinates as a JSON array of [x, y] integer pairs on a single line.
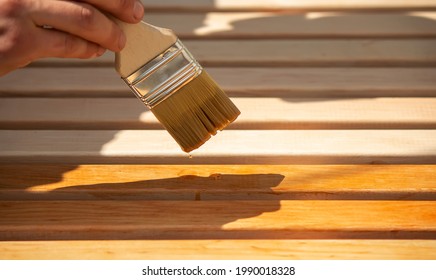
[[144, 42]]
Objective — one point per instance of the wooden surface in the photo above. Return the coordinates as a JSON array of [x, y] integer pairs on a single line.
[[237, 81], [228, 147], [271, 113], [293, 25], [221, 249], [217, 182], [106, 220], [333, 156], [293, 52], [54, 206]]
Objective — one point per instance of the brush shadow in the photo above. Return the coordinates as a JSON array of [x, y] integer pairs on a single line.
[[143, 201], [187, 187]]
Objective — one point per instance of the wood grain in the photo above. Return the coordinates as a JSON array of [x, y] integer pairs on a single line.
[[238, 219], [236, 81], [229, 147], [267, 113], [220, 250], [217, 182]]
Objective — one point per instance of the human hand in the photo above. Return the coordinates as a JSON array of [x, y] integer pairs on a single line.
[[34, 29]]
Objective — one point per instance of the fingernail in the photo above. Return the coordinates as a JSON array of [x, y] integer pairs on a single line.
[[138, 10], [122, 41], [101, 51]]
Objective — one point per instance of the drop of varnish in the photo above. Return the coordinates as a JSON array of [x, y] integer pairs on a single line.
[[189, 156]]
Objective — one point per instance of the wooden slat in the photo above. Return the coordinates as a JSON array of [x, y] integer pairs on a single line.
[[279, 53], [264, 113], [228, 147], [250, 5], [313, 219], [237, 81], [220, 250], [298, 25], [217, 182]]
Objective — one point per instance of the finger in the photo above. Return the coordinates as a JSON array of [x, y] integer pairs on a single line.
[[131, 11], [81, 20], [54, 43]]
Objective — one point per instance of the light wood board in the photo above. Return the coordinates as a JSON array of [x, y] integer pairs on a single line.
[[281, 53], [269, 25], [217, 182], [236, 81], [220, 250], [238, 219], [267, 113], [228, 147]]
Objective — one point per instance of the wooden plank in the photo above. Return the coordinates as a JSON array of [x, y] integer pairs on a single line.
[[266, 113], [273, 5], [270, 25], [229, 147], [220, 250], [280, 53], [273, 53], [236, 81], [217, 182], [239, 219]]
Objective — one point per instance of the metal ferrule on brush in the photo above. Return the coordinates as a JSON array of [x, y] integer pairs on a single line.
[[164, 75]]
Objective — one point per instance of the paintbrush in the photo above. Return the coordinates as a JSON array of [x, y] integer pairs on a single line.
[[165, 76]]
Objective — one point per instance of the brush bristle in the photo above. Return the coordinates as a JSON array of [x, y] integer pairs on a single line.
[[195, 112]]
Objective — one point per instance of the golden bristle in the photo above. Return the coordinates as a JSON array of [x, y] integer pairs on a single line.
[[195, 112]]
